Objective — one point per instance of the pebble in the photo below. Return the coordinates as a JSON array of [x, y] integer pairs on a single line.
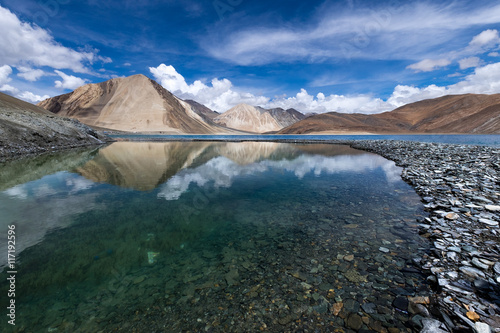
[[492, 208], [489, 222], [472, 272]]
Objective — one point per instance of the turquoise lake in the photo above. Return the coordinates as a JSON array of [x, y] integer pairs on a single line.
[[209, 237]]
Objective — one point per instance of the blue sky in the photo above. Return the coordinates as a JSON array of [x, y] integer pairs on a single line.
[[315, 56]]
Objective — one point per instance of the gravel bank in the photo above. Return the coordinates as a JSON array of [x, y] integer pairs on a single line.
[[23, 132], [459, 186]]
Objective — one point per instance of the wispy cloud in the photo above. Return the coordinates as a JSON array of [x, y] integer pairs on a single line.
[[470, 62], [407, 32], [428, 65]]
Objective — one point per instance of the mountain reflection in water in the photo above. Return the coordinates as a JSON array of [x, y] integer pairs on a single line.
[[145, 166]]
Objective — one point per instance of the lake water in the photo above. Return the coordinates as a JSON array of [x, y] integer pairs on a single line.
[[467, 139], [209, 237]]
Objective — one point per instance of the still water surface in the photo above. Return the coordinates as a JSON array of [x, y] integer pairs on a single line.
[[209, 236]]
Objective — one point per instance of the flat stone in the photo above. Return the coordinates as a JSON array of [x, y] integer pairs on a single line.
[[432, 326], [482, 328], [496, 267], [452, 216], [472, 315], [336, 308], [351, 305], [479, 264], [489, 222], [471, 271], [383, 249], [349, 257], [455, 249], [232, 277], [492, 208], [380, 287], [369, 308], [354, 321], [400, 303], [420, 299]]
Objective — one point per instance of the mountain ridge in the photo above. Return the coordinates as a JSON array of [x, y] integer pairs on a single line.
[[257, 119], [133, 104], [460, 114]]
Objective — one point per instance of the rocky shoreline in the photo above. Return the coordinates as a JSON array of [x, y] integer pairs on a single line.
[[459, 185]]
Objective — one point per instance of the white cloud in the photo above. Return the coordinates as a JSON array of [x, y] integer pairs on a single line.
[[221, 171], [23, 43], [221, 96], [30, 97], [8, 88], [29, 73], [494, 54], [428, 65], [69, 81], [5, 72], [469, 62], [486, 37], [306, 103], [218, 96], [341, 34], [484, 80]]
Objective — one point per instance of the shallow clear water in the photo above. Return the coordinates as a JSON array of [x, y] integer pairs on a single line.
[[204, 236]]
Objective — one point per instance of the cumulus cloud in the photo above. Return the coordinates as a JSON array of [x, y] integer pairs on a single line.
[[486, 37], [428, 65], [5, 72], [29, 73], [469, 62], [30, 97], [220, 172], [494, 54], [23, 43], [219, 95], [320, 103], [69, 81]]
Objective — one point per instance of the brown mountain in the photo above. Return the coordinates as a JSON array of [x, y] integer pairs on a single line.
[[26, 128], [470, 113], [134, 103], [204, 112], [256, 119], [285, 118]]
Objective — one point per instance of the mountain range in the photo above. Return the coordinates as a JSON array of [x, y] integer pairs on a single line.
[[470, 113], [139, 104], [256, 119]]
